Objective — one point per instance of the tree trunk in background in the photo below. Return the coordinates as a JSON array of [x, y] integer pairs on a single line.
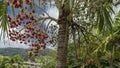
[[63, 35]]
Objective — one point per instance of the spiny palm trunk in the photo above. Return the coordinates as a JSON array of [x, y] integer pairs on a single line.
[[62, 43]]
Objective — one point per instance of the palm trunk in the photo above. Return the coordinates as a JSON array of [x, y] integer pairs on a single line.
[[62, 43], [63, 36]]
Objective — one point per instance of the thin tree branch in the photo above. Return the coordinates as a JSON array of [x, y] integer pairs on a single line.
[[48, 25], [51, 18]]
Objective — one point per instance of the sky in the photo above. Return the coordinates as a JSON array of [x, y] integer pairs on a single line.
[[53, 12]]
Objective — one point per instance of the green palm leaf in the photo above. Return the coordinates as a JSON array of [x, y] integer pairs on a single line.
[[3, 19], [104, 18]]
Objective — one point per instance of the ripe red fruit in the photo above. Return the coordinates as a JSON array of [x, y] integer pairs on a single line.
[[30, 53], [36, 54], [19, 23], [12, 39], [21, 18], [35, 51], [20, 41], [43, 46], [31, 18], [17, 20], [38, 47], [28, 40], [33, 11], [42, 41], [26, 16], [27, 1], [14, 1], [39, 34], [19, 1], [51, 41], [25, 42], [16, 5], [34, 45], [13, 22], [9, 18], [46, 36], [8, 3]]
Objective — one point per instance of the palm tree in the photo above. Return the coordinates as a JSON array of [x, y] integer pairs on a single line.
[[74, 17]]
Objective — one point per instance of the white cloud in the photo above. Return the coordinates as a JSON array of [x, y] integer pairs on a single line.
[[116, 10], [53, 12], [9, 43]]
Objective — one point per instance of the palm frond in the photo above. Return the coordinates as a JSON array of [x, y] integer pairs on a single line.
[[104, 17], [4, 25]]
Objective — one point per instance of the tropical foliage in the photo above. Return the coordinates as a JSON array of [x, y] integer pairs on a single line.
[[86, 25], [9, 62]]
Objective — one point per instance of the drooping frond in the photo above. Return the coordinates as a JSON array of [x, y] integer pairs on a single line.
[[4, 25]]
